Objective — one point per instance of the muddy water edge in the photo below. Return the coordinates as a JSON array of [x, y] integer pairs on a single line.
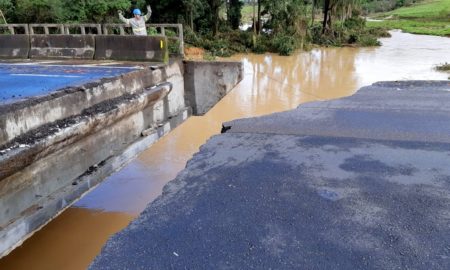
[[271, 84]]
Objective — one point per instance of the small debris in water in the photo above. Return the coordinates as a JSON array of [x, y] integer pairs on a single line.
[[176, 254]]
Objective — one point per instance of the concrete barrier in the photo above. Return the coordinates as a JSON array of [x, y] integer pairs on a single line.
[[207, 82], [62, 46], [14, 46], [141, 48], [136, 108]]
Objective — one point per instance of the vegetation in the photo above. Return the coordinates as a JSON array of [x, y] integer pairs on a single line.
[[443, 67], [281, 26], [429, 18], [376, 6]]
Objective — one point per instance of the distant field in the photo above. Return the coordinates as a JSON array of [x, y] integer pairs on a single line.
[[438, 9], [429, 18]]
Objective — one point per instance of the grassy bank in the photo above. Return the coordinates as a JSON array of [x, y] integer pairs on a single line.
[[429, 18]]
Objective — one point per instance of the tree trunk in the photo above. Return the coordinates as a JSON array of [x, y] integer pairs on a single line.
[[254, 23], [215, 19], [326, 11], [313, 11], [191, 19], [259, 18]]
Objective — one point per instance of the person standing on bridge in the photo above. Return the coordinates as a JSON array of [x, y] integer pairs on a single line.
[[138, 22]]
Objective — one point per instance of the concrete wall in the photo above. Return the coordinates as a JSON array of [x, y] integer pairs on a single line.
[[208, 82], [14, 46], [57, 147], [151, 48], [101, 47], [21, 117], [62, 46], [120, 118]]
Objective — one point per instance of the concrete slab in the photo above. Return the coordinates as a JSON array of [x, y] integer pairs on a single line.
[[22, 80], [282, 198]]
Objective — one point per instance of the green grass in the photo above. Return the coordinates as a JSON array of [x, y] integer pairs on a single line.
[[247, 13], [437, 9], [429, 18], [415, 27]]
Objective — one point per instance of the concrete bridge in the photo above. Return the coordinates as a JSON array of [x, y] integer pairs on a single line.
[[90, 41], [68, 124]]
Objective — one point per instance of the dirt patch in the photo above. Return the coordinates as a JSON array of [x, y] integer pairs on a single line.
[[194, 53]]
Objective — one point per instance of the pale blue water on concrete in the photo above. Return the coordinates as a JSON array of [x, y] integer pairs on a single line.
[[19, 81]]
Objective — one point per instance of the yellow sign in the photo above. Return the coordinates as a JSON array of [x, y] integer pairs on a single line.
[[162, 44]]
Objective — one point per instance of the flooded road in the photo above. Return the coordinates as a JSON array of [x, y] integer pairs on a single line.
[[271, 84]]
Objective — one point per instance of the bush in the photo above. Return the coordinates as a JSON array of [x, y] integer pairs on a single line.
[[284, 44], [174, 46], [368, 41], [262, 44], [443, 67], [151, 31]]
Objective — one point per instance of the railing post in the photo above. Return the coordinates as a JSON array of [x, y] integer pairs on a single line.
[[181, 36]]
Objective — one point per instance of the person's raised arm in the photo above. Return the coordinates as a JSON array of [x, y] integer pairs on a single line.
[[122, 18], [149, 13]]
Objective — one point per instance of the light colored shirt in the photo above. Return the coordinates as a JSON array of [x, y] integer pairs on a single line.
[[138, 25]]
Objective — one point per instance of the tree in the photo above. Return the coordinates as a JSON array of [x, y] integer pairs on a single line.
[[7, 8], [234, 13], [193, 10], [288, 16], [39, 11], [214, 17], [342, 9], [104, 11]]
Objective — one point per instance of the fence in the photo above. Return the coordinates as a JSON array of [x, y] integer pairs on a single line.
[[173, 32]]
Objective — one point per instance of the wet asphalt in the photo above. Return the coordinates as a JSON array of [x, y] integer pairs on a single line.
[[361, 182]]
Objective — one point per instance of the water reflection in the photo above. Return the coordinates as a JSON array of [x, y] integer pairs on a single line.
[[272, 83]]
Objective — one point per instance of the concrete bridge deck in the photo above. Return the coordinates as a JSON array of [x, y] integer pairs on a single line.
[[26, 79], [357, 183]]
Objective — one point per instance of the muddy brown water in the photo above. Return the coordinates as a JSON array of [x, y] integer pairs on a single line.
[[271, 84]]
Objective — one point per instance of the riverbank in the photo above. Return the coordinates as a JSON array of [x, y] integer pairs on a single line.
[[427, 18]]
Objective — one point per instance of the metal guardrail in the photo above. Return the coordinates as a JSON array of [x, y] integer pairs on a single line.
[[91, 29]]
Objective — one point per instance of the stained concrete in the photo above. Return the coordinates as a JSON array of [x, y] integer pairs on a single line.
[[56, 147], [203, 76], [14, 46], [356, 183], [140, 48], [62, 46]]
